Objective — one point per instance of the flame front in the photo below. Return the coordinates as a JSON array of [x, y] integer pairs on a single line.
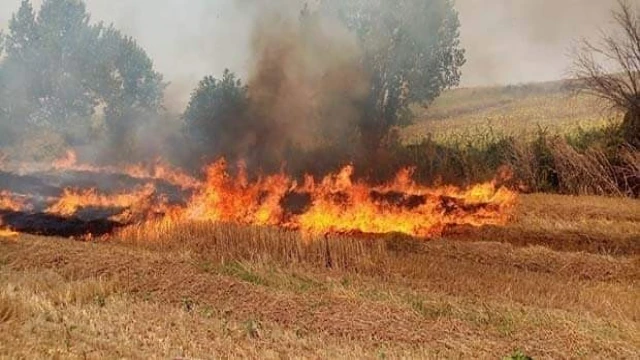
[[159, 170], [138, 204], [337, 204], [334, 204], [10, 203]]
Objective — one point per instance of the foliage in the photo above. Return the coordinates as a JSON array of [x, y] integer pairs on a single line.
[[60, 70], [518, 355], [587, 162], [216, 115], [411, 50]]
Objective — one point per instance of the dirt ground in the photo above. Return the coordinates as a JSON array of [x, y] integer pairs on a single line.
[[561, 281]]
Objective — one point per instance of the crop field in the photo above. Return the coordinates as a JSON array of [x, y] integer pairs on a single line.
[[560, 280], [517, 110]]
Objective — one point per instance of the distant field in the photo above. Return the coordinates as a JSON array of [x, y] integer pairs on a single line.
[[509, 110], [561, 281]]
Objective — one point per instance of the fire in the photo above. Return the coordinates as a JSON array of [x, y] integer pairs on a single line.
[[337, 204], [10, 202], [139, 203], [159, 170], [5, 233], [223, 198]]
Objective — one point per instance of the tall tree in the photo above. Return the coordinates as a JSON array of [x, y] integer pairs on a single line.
[[23, 33], [60, 69], [412, 51], [128, 86], [216, 117], [611, 69]]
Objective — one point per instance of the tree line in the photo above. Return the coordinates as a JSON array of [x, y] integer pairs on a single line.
[[63, 73]]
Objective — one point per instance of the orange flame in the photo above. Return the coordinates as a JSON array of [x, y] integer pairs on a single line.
[[340, 205], [6, 233], [334, 204], [139, 203], [157, 171], [10, 202]]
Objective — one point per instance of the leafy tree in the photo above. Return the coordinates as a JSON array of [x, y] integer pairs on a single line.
[[128, 86], [412, 51], [60, 70], [217, 116], [23, 32]]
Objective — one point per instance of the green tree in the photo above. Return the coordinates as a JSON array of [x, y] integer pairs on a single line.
[[217, 117], [60, 70], [18, 85], [412, 51], [23, 33], [128, 86]]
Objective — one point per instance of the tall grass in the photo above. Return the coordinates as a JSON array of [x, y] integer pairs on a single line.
[[586, 162], [230, 243]]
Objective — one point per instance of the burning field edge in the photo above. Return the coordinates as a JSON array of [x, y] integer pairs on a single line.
[[201, 289], [75, 200]]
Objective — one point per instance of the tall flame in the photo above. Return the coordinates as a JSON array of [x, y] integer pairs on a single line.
[[159, 170], [338, 204], [10, 203], [335, 203]]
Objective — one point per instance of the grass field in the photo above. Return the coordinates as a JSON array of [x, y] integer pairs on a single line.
[[561, 281], [515, 110]]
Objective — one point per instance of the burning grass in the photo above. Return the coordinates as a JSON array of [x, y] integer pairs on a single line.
[[336, 204], [196, 289]]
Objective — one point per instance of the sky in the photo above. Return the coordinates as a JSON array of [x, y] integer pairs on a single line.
[[507, 41], [515, 41]]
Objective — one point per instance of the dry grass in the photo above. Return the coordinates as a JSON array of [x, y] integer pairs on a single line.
[[512, 110], [205, 291]]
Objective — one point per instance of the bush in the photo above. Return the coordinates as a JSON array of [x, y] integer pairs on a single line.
[[595, 162]]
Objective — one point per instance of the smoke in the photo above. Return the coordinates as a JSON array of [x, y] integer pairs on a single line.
[[186, 40], [514, 41], [507, 41], [305, 82]]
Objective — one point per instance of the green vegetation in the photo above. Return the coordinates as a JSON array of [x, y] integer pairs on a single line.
[[412, 50], [471, 114], [518, 355], [65, 76], [550, 145]]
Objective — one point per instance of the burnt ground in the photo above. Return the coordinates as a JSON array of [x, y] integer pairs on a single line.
[[39, 189]]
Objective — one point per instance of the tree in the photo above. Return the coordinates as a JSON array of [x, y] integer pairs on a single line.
[[216, 119], [60, 70], [128, 87], [610, 69], [412, 51], [22, 31]]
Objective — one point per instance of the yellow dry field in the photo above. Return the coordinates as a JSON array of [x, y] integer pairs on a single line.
[[561, 281], [519, 110]]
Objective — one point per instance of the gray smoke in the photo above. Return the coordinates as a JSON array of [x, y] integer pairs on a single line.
[[513, 41], [507, 41]]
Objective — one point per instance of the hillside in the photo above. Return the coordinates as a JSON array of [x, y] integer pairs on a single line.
[[508, 110]]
